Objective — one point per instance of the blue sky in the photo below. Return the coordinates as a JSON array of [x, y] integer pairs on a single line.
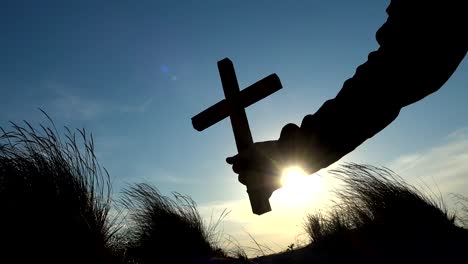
[[134, 73]]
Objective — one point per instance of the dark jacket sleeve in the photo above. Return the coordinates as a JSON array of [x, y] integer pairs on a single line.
[[421, 45]]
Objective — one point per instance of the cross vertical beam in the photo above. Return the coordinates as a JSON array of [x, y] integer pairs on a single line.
[[239, 122], [234, 106], [240, 127]]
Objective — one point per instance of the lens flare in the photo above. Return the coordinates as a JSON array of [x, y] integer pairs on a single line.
[[164, 68], [292, 177], [298, 187]]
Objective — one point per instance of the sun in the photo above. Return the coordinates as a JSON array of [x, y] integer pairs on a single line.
[[292, 176], [298, 187]]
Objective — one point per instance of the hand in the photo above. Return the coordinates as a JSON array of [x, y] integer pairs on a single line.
[[259, 166]]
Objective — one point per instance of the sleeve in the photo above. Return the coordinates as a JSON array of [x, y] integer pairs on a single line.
[[421, 45]]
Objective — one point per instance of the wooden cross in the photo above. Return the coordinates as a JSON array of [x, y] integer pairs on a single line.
[[234, 106]]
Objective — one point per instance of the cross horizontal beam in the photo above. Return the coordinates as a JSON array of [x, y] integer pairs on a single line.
[[248, 96]]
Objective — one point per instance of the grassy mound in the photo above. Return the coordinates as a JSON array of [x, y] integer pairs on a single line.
[[55, 203], [54, 199], [378, 218], [165, 229]]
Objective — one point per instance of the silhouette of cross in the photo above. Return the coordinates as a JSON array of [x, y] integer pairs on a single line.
[[234, 106]]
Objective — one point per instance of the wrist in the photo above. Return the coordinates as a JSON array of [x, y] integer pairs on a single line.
[[311, 146], [294, 146]]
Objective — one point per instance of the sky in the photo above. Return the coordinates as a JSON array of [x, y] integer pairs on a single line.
[[133, 73]]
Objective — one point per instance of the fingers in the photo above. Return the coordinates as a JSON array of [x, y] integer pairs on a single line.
[[260, 181], [261, 158], [231, 160], [234, 162], [242, 179], [238, 164]]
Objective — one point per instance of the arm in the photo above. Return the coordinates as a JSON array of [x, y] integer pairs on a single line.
[[421, 45]]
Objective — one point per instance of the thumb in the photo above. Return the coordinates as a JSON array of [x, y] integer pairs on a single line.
[[231, 160]]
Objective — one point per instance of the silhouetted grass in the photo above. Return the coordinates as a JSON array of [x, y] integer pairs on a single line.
[[55, 208], [164, 229], [462, 203], [54, 198], [378, 218]]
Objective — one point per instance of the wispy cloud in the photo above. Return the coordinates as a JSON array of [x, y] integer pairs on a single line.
[[159, 176], [68, 103], [288, 213], [140, 108], [73, 106], [274, 231], [444, 166], [171, 179]]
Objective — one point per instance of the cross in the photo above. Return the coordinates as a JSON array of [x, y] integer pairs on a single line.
[[234, 106]]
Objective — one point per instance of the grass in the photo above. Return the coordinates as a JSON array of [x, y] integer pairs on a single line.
[[54, 198], [56, 208], [165, 229], [379, 218]]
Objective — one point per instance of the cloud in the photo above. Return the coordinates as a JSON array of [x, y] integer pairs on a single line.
[[70, 105], [73, 106], [159, 176], [443, 167], [241, 226], [274, 231], [288, 213], [172, 179], [141, 108]]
